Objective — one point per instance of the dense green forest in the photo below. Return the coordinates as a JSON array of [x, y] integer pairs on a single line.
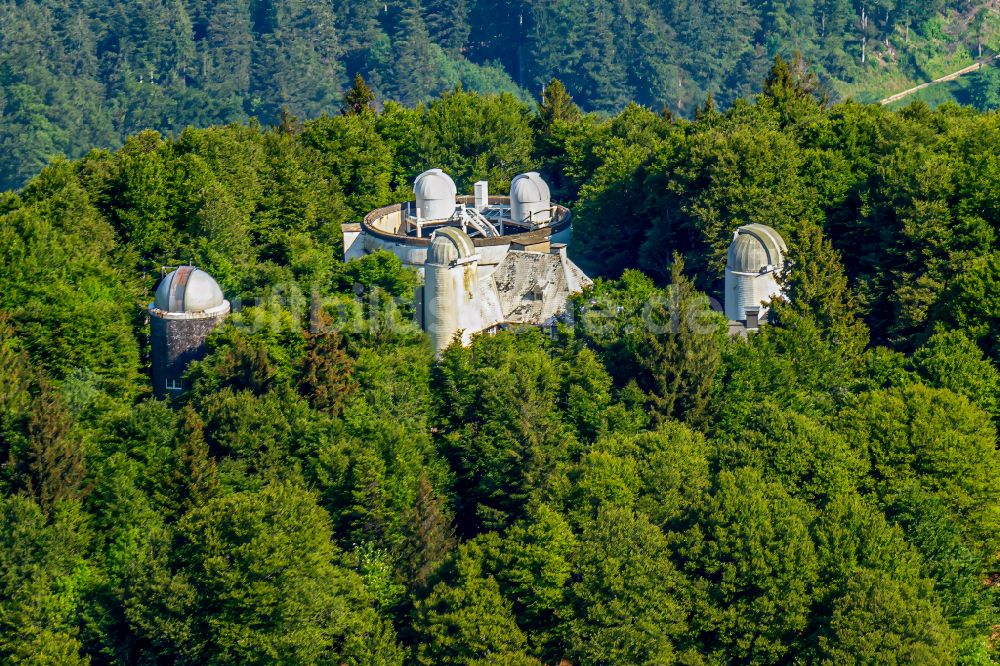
[[825, 491], [89, 73]]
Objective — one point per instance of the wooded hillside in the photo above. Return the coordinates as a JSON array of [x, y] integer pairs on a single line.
[[89, 73], [326, 493]]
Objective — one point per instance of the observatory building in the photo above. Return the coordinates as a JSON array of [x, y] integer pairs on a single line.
[[755, 260], [187, 306], [487, 262], [526, 220]]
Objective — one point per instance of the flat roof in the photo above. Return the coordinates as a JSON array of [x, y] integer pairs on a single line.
[[388, 223]]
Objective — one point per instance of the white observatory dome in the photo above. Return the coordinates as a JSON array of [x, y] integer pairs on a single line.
[[747, 255], [756, 258], [188, 289], [755, 249], [530, 198], [436, 195], [449, 245]]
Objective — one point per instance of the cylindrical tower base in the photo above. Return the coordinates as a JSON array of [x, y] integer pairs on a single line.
[[177, 339]]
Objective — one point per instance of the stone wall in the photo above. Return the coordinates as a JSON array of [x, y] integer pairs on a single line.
[[175, 344]]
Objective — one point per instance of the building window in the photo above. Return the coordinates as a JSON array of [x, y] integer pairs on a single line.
[[174, 385]]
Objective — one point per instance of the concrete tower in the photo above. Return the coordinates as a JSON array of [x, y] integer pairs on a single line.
[[451, 288], [756, 257], [188, 305]]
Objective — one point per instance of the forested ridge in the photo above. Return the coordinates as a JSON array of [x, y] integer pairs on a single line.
[[638, 490], [89, 73]]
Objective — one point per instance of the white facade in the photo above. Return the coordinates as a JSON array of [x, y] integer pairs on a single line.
[[754, 262], [512, 270], [528, 288], [451, 289]]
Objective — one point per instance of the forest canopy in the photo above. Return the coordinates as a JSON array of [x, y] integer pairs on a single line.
[[824, 491], [91, 73]]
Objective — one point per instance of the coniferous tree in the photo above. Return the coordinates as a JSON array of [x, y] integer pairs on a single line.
[[192, 480], [603, 77], [412, 63], [54, 462], [41, 556], [15, 377], [358, 99], [793, 89], [302, 31], [499, 34], [244, 366], [789, 80], [464, 618], [556, 105], [679, 350], [288, 123], [707, 110], [361, 32], [815, 286], [429, 536], [558, 120], [228, 44], [447, 23], [327, 380], [369, 512]]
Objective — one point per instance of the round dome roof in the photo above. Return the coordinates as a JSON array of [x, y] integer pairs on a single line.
[[755, 248], [530, 188], [188, 289], [449, 245], [434, 184], [747, 255]]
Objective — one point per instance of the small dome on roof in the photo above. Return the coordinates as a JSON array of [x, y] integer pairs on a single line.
[[188, 289], [436, 194], [449, 244], [756, 248], [530, 198], [530, 188]]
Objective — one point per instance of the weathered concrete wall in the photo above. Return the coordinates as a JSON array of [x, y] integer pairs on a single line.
[[451, 303]]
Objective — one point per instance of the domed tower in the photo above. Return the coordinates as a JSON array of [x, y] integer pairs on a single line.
[[756, 257], [436, 195], [188, 305], [451, 288], [530, 199]]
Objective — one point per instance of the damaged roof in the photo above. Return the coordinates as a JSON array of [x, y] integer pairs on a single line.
[[530, 288]]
